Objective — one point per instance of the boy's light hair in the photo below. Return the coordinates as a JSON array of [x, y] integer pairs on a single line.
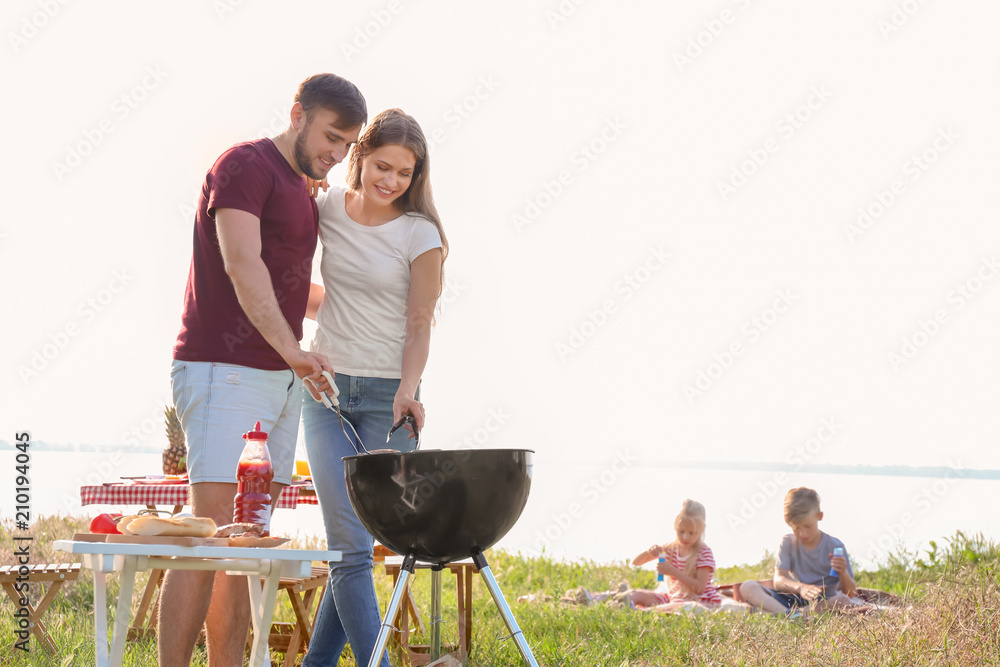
[[799, 503]]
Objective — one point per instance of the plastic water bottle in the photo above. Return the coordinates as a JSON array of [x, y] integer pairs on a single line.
[[661, 559], [254, 473], [837, 551]]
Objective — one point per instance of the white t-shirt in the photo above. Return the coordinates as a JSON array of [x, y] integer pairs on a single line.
[[366, 273]]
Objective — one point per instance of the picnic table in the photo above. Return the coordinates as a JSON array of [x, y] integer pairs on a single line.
[[153, 492], [260, 565]]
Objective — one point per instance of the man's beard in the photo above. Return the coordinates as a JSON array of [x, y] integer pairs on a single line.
[[302, 159]]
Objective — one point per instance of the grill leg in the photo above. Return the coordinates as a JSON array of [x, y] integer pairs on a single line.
[[508, 616], [409, 561]]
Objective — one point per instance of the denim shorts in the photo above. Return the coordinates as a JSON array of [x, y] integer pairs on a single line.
[[790, 600], [218, 403]]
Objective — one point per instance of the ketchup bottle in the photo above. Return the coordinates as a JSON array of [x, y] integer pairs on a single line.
[[254, 473]]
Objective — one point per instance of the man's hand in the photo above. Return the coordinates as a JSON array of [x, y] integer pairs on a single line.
[[810, 592], [309, 365]]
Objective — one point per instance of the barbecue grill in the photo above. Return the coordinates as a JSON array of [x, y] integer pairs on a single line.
[[439, 506]]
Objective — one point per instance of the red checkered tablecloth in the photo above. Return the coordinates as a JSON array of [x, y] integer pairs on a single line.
[[172, 494]]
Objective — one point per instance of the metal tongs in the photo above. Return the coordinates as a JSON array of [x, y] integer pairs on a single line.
[[330, 399], [412, 421]]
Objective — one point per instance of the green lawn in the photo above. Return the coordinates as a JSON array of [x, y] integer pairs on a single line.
[[951, 615]]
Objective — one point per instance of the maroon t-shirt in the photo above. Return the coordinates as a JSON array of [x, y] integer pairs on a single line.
[[252, 177]]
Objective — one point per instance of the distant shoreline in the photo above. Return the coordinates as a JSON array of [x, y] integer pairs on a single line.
[[822, 468], [933, 472], [41, 446]]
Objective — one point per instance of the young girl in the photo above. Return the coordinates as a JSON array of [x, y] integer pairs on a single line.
[[689, 566], [383, 251]]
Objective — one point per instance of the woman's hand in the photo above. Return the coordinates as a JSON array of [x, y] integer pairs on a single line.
[[403, 405], [314, 186]]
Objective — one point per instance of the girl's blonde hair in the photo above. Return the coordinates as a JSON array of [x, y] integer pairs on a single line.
[[394, 127], [693, 511]]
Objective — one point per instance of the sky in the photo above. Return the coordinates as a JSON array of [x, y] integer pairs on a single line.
[[724, 232]]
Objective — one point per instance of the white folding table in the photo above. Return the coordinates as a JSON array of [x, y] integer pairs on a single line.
[[254, 562]]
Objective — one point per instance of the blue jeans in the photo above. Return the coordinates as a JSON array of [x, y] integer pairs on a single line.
[[349, 609]]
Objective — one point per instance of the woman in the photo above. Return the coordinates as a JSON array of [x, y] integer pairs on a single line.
[[383, 252]]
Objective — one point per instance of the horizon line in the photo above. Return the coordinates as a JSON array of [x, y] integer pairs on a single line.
[[887, 470], [884, 470]]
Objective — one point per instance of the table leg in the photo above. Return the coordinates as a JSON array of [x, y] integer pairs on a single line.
[[35, 613], [101, 617], [141, 629], [461, 586], [124, 611], [302, 634], [254, 584], [262, 611]]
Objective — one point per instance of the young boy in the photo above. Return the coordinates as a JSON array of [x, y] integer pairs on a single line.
[[802, 574]]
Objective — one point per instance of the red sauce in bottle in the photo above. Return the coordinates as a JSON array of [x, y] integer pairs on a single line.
[[254, 473]]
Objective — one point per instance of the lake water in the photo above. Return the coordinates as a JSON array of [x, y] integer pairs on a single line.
[[610, 511]]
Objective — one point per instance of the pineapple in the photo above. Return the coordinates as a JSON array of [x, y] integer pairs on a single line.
[[175, 453]]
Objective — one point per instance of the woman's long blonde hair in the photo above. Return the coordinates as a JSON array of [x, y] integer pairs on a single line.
[[693, 511], [393, 127]]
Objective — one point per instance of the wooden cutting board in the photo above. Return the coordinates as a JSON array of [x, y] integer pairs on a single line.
[[172, 540], [183, 541], [90, 537]]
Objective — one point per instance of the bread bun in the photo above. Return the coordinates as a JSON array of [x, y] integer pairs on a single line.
[[124, 522], [171, 527]]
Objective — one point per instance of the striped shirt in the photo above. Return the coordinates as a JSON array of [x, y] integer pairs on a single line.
[[678, 592]]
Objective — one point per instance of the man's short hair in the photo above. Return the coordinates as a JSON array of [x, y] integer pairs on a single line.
[[329, 91], [799, 503]]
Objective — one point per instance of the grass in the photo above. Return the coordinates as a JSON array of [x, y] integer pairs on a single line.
[[951, 615]]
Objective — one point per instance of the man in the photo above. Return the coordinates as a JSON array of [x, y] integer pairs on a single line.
[[237, 359]]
